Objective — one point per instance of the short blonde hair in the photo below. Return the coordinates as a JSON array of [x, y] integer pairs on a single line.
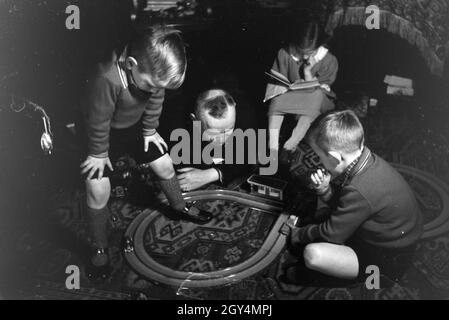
[[338, 131], [160, 52]]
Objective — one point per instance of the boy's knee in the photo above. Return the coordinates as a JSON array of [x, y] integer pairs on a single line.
[[163, 167], [166, 172], [312, 256], [97, 195]]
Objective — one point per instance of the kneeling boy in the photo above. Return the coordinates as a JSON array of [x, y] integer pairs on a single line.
[[374, 217]]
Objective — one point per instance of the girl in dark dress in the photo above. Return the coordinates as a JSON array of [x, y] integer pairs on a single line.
[[306, 59]]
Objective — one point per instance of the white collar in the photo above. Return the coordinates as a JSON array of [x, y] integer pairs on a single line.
[[121, 68]]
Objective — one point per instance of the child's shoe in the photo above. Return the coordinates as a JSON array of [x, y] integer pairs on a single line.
[[99, 268], [193, 214]]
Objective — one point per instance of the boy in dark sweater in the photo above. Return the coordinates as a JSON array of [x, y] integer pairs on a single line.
[[374, 217], [216, 111], [122, 103]]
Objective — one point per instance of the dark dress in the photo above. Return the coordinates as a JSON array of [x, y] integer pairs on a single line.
[[311, 102]]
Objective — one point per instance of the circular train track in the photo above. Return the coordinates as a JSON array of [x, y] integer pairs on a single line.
[[432, 195], [150, 268]]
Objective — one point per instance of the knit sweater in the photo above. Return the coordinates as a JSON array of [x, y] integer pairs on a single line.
[[376, 206], [109, 102]]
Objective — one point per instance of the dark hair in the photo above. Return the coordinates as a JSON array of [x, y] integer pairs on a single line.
[[338, 131], [215, 102], [306, 33], [160, 52]]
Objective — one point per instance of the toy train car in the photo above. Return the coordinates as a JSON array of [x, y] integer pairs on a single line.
[[267, 186]]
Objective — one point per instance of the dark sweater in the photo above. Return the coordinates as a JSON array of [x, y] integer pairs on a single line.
[[376, 206], [108, 102], [245, 120], [228, 172]]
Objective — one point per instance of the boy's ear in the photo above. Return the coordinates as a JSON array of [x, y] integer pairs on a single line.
[[336, 156], [130, 62]]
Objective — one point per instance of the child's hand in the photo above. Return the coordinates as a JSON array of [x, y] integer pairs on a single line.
[[192, 179], [157, 140], [311, 62], [93, 164], [320, 180], [308, 68]]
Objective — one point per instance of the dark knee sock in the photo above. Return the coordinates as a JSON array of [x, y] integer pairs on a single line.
[[172, 191], [97, 220]]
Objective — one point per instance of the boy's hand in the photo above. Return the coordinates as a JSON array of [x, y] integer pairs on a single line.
[[157, 140], [320, 180], [192, 179], [93, 164]]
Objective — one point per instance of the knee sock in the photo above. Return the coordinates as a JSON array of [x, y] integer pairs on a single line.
[[172, 191], [97, 220]]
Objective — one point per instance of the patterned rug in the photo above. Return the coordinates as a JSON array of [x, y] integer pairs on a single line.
[[245, 235], [240, 233], [233, 236]]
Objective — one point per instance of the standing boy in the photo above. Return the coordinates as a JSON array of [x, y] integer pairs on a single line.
[[122, 104]]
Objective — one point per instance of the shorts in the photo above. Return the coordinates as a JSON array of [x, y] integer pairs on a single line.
[[129, 141], [392, 263]]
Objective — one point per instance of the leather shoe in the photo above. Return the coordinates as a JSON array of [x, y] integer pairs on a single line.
[[196, 215], [98, 273]]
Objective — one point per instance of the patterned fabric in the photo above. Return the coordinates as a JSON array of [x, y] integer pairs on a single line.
[[300, 163], [236, 233], [45, 261], [423, 23]]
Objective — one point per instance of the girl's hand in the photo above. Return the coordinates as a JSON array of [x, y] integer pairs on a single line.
[[320, 180], [311, 62], [93, 164], [157, 140], [308, 68]]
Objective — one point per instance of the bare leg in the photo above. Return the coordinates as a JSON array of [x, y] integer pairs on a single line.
[[98, 192], [163, 167], [331, 259], [299, 132], [274, 127]]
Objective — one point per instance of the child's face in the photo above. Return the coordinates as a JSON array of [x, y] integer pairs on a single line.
[[334, 165], [143, 81], [303, 54]]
